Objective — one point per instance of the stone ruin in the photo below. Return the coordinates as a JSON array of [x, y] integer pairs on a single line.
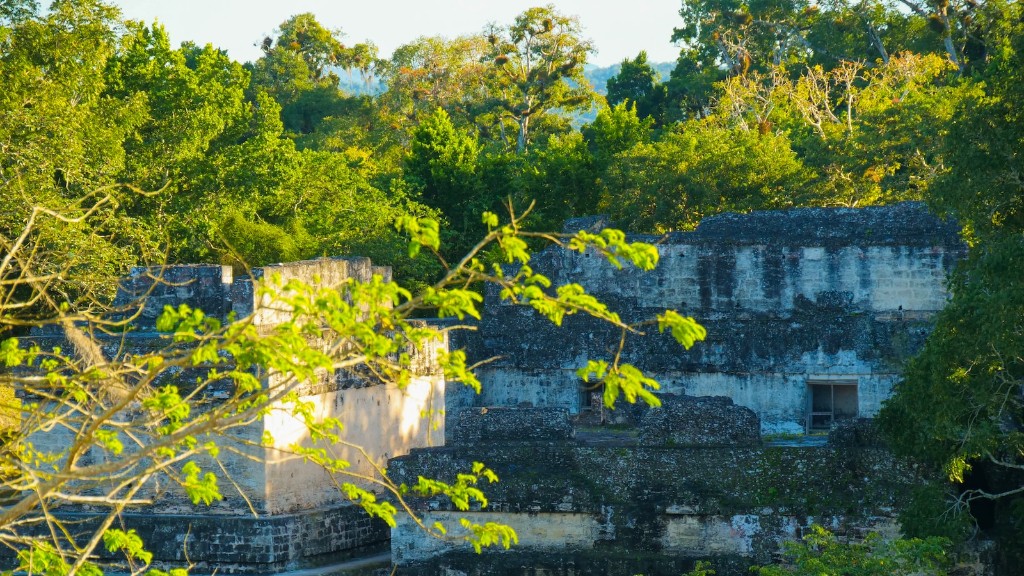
[[293, 514], [810, 315], [691, 480]]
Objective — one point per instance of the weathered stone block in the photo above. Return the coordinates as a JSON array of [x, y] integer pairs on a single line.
[[205, 287], [245, 544], [859, 433], [699, 421], [502, 424]]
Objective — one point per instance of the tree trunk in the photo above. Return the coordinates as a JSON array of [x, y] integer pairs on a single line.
[[948, 41], [876, 41], [524, 124]]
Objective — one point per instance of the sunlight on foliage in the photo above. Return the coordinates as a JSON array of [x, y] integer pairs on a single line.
[[821, 552]]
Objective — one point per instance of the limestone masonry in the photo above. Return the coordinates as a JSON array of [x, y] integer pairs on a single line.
[[637, 498], [294, 514], [810, 315]]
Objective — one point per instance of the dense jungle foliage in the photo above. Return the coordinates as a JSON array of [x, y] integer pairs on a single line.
[[771, 104]]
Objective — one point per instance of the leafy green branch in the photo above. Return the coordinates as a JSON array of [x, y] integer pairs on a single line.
[[171, 414]]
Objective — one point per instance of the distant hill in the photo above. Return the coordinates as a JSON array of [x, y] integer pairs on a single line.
[[598, 76], [352, 82]]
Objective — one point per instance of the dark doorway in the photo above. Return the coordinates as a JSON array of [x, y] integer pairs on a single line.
[[829, 401]]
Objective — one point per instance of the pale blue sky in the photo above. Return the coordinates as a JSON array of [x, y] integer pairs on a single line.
[[619, 29]]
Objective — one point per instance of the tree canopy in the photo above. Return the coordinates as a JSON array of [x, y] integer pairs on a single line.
[[537, 64], [959, 405], [122, 149]]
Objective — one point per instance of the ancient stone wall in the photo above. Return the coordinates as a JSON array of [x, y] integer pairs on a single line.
[[506, 424], [299, 512], [788, 298], [689, 481], [247, 544]]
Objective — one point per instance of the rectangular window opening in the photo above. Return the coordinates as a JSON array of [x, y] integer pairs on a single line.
[[591, 398], [830, 401]]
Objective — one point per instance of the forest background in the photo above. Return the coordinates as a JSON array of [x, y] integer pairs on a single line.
[[771, 104]]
